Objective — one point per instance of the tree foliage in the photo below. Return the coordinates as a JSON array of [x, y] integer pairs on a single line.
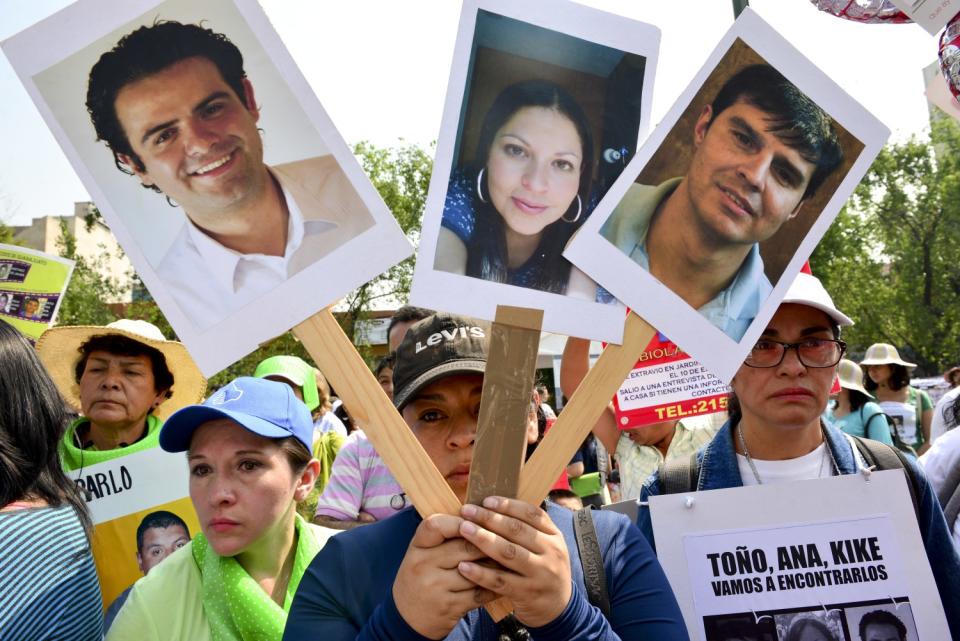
[[402, 176], [89, 287], [892, 258]]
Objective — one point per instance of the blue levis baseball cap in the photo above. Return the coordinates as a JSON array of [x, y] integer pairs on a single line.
[[267, 408]]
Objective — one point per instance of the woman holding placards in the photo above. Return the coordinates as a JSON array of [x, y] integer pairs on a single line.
[[248, 452], [775, 434], [508, 218], [46, 564]]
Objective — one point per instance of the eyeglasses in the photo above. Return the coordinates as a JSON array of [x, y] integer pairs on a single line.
[[812, 352]]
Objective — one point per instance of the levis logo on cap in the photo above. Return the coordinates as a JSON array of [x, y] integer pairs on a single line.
[[457, 333]]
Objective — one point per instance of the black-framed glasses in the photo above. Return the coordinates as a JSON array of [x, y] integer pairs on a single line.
[[812, 352]]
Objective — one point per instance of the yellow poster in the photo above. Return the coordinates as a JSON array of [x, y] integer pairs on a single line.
[[31, 286], [141, 513]]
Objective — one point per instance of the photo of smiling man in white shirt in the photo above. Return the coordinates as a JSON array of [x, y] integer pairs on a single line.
[[174, 105]]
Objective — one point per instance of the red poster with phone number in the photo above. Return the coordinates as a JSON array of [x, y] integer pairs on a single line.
[[667, 384]]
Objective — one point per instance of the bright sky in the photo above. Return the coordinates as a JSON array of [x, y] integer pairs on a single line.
[[386, 80]]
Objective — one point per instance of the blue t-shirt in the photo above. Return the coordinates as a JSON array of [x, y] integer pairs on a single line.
[[346, 592], [862, 423]]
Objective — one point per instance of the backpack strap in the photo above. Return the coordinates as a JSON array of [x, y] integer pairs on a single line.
[[883, 457], [679, 475], [591, 559], [917, 396]]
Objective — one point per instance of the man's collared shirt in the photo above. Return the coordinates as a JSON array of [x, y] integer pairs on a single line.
[[734, 308], [637, 462], [245, 276], [209, 282]]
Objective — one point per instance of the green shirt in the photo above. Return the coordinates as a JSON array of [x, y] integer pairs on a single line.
[[73, 457]]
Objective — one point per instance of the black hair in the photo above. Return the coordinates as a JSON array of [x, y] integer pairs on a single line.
[[487, 249], [899, 378], [33, 420], [882, 617], [408, 314], [387, 362], [794, 119], [123, 346], [801, 624], [560, 493], [144, 52], [741, 627], [160, 519], [857, 399], [951, 413]]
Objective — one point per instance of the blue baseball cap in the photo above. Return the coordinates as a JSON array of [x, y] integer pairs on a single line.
[[267, 408]]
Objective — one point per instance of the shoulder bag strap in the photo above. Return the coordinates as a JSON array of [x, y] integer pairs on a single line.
[[591, 559], [679, 475], [885, 457]]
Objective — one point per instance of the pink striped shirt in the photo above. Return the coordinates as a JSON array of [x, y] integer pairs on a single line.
[[360, 481]]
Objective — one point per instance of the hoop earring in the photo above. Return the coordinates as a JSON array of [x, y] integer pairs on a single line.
[[579, 211], [479, 184]]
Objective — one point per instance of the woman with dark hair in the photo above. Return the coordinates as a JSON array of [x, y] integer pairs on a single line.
[[809, 629], [888, 377], [853, 411], [509, 216], [46, 565], [249, 460]]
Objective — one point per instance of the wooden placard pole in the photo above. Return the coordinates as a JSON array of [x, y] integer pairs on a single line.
[[500, 445], [582, 410], [340, 363], [335, 355]]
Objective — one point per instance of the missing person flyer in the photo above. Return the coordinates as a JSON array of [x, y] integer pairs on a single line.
[[141, 512], [667, 384], [757, 562], [31, 286]]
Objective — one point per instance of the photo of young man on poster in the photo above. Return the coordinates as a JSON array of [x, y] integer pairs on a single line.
[[175, 107]]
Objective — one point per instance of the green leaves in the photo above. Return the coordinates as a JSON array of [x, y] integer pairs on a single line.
[[891, 260]]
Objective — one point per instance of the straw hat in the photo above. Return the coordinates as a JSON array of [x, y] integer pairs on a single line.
[[884, 354], [851, 376], [59, 349]]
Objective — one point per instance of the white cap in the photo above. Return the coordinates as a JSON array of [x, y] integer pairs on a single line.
[[808, 290]]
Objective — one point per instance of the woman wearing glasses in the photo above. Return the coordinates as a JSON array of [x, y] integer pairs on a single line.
[[775, 435]]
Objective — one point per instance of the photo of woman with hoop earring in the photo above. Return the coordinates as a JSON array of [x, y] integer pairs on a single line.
[[508, 217]]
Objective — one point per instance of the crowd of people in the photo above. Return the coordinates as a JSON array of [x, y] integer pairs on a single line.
[[274, 482]]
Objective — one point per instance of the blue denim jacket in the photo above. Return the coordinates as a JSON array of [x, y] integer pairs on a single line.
[[718, 470]]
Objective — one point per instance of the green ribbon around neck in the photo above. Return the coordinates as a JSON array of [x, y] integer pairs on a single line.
[[236, 607]]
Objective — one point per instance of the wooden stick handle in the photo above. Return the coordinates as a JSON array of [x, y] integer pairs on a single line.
[[340, 363], [501, 442], [582, 410], [391, 437]]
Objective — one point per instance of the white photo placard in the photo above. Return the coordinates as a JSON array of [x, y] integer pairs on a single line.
[[546, 103], [709, 223], [758, 560], [255, 213]]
